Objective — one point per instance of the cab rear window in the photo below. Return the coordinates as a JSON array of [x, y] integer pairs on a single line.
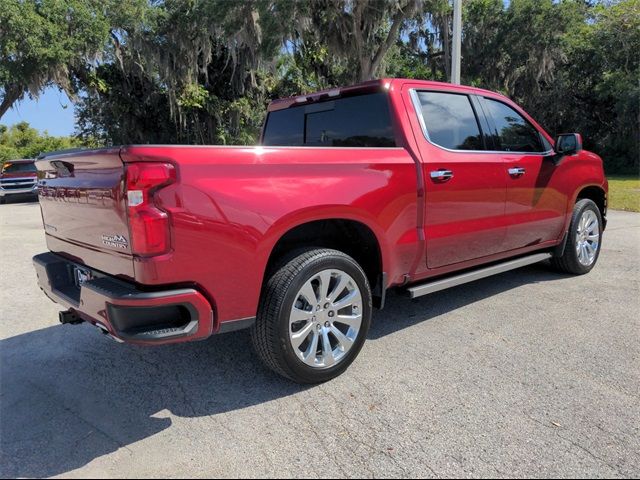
[[358, 121]]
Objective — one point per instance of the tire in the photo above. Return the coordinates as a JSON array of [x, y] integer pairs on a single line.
[[292, 320], [575, 259], [2, 200]]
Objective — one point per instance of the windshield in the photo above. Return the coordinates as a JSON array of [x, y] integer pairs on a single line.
[[18, 167]]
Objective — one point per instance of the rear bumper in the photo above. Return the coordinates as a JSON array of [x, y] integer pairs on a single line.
[[121, 309]]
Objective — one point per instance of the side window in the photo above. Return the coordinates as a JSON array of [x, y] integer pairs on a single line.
[[358, 121], [450, 120], [513, 132]]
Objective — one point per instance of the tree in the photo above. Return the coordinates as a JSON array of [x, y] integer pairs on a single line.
[[601, 83], [423, 49], [192, 73], [48, 42], [23, 141], [203, 71], [357, 32], [194, 67], [573, 65]]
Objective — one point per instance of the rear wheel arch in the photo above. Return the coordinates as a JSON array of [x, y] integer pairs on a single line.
[[352, 237]]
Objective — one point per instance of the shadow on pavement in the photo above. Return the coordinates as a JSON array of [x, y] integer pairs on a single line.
[[411, 312], [69, 395], [21, 198]]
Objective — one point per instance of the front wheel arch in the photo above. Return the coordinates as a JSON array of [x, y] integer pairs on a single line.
[[597, 195]]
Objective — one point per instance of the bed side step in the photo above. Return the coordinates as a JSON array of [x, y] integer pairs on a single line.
[[470, 276]]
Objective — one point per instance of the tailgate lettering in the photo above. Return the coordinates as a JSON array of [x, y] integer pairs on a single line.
[[116, 241]]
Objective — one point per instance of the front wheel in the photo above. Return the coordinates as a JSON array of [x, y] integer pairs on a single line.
[[584, 240], [314, 316]]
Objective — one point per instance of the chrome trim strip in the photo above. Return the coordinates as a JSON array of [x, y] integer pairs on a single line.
[[437, 285], [19, 179], [264, 147], [418, 108]]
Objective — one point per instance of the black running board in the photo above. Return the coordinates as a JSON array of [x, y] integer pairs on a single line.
[[470, 276]]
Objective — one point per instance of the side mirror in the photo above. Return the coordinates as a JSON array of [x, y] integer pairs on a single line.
[[568, 143]]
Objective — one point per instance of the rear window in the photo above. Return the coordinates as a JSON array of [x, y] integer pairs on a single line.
[[18, 167], [450, 120], [360, 121]]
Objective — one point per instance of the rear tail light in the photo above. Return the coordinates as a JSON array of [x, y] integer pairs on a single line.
[[148, 224]]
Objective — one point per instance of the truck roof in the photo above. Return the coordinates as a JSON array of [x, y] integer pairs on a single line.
[[369, 86]]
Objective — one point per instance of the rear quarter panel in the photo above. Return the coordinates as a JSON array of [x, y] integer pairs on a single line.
[[232, 204]]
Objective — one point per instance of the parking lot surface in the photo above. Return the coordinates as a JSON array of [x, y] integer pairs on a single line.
[[529, 373]]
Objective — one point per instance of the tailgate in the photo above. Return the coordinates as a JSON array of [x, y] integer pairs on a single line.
[[82, 197]]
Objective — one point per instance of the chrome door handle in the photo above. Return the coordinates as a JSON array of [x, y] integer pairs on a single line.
[[516, 171], [441, 175]]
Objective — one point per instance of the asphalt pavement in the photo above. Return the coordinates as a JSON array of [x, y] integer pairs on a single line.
[[526, 374]]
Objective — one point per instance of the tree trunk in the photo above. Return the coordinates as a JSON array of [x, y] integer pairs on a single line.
[[369, 66], [12, 94]]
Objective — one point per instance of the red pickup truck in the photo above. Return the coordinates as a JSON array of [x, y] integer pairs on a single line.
[[391, 183], [17, 178]]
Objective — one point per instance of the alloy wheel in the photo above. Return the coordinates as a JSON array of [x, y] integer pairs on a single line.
[[325, 318], [587, 238]]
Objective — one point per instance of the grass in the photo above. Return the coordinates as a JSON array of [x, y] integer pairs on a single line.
[[624, 192]]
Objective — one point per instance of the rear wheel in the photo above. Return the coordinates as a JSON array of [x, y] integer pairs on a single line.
[[314, 316], [584, 240]]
